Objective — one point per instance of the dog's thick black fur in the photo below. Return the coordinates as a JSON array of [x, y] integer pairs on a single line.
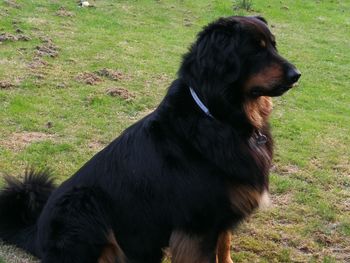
[[177, 178]]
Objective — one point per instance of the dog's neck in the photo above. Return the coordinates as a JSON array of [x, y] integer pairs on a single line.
[[257, 111], [219, 142]]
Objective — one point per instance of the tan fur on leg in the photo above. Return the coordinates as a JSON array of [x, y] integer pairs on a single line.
[[112, 252], [223, 248]]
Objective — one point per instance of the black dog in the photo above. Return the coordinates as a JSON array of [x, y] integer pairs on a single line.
[[181, 177]]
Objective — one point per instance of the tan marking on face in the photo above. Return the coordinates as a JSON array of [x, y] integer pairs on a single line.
[[258, 110], [223, 248], [263, 43], [112, 252], [267, 78], [186, 249]]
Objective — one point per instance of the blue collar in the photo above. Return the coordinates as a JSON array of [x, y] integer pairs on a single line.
[[260, 138], [200, 103]]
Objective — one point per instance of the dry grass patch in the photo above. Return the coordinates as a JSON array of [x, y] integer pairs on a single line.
[[285, 169], [96, 146], [63, 12], [12, 3], [281, 200], [37, 63], [19, 141]]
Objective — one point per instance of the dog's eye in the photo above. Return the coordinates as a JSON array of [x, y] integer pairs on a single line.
[[262, 43]]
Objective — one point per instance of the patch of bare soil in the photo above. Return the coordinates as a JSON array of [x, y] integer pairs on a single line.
[[4, 12], [328, 239], [344, 196], [343, 167], [111, 74], [285, 169], [4, 84], [341, 253], [37, 63], [39, 75], [187, 22], [22, 37], [48, 48], [63, 12], [120, 92], [96, 145], [281, 199], [12, 38], [7, 37], [12, 3], [88, 78], [305, 251], [19, 141], [316, 163]]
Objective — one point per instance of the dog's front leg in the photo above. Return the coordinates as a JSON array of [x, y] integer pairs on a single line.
[[223, 248]]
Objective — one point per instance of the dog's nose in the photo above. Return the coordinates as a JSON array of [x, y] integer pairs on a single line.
[[293, 75]]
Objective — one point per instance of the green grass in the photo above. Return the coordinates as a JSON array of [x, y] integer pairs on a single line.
[[309, 221]]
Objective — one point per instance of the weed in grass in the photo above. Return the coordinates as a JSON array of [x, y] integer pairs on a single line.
[[329, 259], [284, 256], [243, 4], [345, 228]]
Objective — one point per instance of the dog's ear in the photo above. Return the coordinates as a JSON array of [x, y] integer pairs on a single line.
[[261, 19], [216, 54]]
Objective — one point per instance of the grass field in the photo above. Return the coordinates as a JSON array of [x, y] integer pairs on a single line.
[[71, 79]]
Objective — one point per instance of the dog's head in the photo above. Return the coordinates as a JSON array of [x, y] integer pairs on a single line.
[[235, 60]]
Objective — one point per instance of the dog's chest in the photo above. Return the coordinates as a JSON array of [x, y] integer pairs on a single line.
[[258, 145], [245, 199]]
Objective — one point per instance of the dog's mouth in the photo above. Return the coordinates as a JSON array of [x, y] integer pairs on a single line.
[[274, 92], [279, 91]]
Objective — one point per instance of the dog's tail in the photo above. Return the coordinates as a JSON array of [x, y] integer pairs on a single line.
[[21, 202]]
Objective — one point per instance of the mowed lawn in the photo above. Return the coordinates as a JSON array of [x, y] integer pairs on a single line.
[[71, 79]]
